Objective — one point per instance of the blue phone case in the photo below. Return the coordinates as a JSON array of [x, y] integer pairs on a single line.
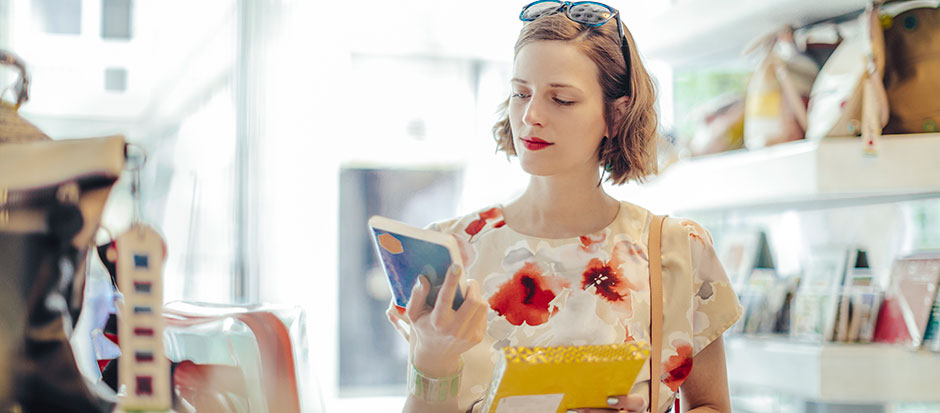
[[404, 258]]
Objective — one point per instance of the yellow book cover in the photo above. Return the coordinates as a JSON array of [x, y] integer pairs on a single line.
[[545, 379]]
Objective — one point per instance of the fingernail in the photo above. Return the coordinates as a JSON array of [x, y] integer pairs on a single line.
[[571, 411], [418, 284], [612, 401], [458, 270]]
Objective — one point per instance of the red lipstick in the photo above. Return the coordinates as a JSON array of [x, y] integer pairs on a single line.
[[534, 144]]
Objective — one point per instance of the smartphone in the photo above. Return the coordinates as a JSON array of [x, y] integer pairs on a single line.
[[407, 251]]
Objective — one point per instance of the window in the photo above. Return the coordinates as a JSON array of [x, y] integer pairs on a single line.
[[58, 16], [197, 207], [115, 79], [116, 19]]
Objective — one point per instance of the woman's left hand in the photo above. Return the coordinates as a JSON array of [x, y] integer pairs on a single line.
[[631, 403]]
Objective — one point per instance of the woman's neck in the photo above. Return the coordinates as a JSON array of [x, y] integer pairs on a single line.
[[561, 207]]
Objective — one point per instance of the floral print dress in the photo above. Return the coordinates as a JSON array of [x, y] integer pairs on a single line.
[[592, 289]]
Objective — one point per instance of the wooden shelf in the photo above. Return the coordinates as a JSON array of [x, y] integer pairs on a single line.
[[798, 175], [843, 373]]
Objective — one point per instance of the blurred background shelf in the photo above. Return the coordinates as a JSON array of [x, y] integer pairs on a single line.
[[799, 175], [842, 373], [681, 34]]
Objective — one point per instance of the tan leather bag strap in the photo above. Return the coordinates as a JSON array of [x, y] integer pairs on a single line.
[[656, 309]]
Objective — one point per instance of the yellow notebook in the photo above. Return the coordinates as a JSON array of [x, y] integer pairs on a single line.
[[545, 379]]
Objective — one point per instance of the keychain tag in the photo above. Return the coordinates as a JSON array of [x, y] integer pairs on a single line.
[[143, 368]]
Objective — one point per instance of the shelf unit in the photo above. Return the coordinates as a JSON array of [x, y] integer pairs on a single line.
[[803, 174], [839, 373], [811, 175]]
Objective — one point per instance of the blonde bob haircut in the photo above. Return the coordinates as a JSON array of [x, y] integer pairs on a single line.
[[630, 149]]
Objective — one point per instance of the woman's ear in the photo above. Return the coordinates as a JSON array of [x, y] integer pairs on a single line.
[[621, 105]]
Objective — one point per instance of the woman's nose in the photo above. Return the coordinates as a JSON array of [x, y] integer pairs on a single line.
[[533, 113]]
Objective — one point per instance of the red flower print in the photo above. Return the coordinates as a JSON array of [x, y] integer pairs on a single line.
[[589, 242], [525, 297], [477, 225], [607, 280], [678, 367]]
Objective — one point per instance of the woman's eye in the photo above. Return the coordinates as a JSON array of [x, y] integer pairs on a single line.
[[564, 102], [519, 95]]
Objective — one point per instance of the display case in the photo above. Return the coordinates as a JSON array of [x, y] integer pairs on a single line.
[[804, 194], [835, 186]]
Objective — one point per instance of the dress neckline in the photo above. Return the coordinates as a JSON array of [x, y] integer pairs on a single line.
[[621, 212]]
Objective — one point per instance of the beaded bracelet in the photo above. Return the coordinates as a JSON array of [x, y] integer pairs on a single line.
[[433, 389]]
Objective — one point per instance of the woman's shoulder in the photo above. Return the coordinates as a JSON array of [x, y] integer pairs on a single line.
[[682, 225], [678, 231], [697, 234]]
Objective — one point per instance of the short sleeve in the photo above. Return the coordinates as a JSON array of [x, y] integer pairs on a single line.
[[715, 305]]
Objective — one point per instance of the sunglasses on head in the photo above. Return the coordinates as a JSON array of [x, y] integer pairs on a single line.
[[588, 13]]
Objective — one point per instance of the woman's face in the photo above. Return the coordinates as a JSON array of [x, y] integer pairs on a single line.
[[556, 110]]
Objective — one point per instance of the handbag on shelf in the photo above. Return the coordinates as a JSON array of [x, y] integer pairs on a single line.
[[848, 97], [720, 127], [912, 54], [775, 106], [52, 194]]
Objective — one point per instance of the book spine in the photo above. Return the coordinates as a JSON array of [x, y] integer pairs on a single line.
[[932, 331], [867, 330]]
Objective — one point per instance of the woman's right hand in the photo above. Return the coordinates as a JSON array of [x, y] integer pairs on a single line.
[[441, 333]]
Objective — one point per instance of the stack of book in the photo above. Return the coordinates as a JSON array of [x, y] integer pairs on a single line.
[[909, 314], [837, 299], [765, 295]]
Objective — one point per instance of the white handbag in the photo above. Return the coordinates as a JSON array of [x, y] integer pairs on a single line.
[[848, 96]]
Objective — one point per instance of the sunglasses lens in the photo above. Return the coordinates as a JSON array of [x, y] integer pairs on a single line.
[[536, 10], [590, 13]]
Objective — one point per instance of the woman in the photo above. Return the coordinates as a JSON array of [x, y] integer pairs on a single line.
[[565, 263]]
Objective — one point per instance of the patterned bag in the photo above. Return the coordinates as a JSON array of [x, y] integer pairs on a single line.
[[52, 194]]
